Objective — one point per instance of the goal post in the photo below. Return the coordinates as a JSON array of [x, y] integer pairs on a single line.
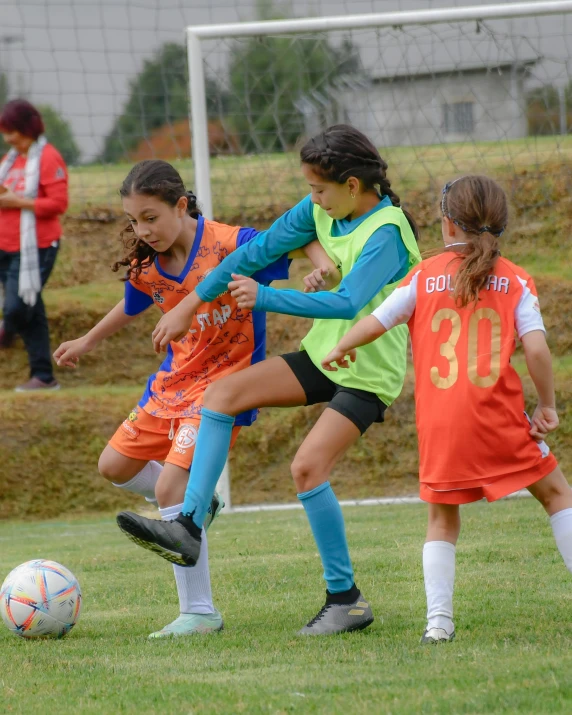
[[197, 34], [431, 91]]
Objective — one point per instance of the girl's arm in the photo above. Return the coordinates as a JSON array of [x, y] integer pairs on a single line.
[[68, 353], [383, 259], [539, 364], [325, 275], [363, 332], [396, 309], [293, 230]]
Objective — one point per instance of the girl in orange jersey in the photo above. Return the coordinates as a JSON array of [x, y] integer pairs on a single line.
[[464, 307], [171, 249]]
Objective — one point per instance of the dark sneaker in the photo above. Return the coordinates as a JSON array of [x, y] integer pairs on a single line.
[[217, 505], [436, 635], [34, 383], [177, 541], [6, 338], [339, 618]]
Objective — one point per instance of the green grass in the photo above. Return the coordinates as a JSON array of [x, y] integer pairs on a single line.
[[513, 599], [274, 180]]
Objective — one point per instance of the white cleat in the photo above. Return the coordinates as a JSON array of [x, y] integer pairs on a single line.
[[190, 624], [437, 635]]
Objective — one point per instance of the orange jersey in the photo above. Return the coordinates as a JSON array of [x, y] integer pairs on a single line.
[[222, 338], [469, 400]]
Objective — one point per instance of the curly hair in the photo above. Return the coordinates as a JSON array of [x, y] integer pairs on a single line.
[[151, 177], [342, 151]]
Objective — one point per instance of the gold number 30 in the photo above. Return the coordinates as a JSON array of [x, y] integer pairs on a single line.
[[447, 348]]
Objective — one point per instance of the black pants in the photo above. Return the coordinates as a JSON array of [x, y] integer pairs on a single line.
[[29, 321]]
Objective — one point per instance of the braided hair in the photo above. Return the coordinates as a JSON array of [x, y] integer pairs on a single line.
[[151, 177], [342, 151]]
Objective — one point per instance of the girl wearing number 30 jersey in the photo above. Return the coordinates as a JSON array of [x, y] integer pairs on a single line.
[[463, 308]]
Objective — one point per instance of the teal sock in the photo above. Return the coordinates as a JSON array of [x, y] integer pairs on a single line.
[[327, 522], [211, 451]]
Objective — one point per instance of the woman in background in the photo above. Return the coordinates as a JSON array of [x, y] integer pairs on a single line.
[[33, 196]]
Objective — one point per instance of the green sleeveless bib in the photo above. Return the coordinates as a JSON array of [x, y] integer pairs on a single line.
[[380, 366]]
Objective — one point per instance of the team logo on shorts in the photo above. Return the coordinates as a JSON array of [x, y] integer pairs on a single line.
[[157, 297], [132, 416], [186, 437]]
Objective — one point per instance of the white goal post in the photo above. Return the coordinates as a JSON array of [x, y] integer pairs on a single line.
[[195, 35], [389, 22]]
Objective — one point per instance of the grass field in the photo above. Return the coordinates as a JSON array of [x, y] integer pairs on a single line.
[[513, 603], [259, 185]]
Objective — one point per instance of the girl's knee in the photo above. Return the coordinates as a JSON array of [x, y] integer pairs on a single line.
[[218, 397], [306, 473], [112, 468]]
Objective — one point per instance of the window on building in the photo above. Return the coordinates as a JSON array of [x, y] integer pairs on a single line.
[[458, 118]]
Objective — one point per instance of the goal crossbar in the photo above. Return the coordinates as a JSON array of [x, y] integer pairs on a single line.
[[384, 19]]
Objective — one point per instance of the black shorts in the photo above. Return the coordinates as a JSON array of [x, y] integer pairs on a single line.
[[361, 407]]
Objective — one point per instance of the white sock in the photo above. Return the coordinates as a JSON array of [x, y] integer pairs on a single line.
[[562, 528], [193, 584], [143, 483], [439, 574]]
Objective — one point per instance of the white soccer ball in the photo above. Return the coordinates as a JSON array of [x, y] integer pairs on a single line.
[[40, 599]]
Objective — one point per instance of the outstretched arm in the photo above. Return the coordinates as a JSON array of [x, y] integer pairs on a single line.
[[363, 332], [382, 260], [68, 353], [395, 310]]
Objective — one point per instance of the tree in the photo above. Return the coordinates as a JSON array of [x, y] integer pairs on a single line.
[[59, 133], [158, 96], [271, 76], [544, 110]]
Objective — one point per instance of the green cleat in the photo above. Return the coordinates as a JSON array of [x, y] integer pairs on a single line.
[[191, 624]]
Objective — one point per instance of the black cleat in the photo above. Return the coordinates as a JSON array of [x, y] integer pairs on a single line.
[[177, 541], [334, 618]]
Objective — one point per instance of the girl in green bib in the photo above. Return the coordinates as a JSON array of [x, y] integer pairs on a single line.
[[358, 220]]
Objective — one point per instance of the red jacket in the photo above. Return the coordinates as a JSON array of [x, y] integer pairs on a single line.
[[52, 201]]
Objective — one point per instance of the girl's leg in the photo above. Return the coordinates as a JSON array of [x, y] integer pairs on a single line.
[[197, 611], [270, 383], [345, 608], [443, 529], [555, 495], [139, 476]]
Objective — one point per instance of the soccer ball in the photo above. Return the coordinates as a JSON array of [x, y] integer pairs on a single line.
[[40, 599]]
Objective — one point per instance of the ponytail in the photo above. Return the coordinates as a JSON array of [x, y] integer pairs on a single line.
[[477, 263]]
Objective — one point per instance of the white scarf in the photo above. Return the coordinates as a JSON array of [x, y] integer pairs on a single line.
[[29, 282]]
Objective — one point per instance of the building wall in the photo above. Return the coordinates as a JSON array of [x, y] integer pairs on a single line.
[[411, 111]]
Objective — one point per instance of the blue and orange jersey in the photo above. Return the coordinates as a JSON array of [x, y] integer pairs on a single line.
[[222, 338]]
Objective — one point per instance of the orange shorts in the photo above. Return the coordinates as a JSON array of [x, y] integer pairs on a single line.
[[142, 436], [493, 490]]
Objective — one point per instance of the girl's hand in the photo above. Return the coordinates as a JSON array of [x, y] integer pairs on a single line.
[[174, 325], [544, 420], [339, 357], [244, 290], [314, 281], [68, 354], [10, 200]]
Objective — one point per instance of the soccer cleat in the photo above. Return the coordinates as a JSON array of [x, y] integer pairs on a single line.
[[217, 505], [190, 624], [436, 635], [177, 541], [339, 618]]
